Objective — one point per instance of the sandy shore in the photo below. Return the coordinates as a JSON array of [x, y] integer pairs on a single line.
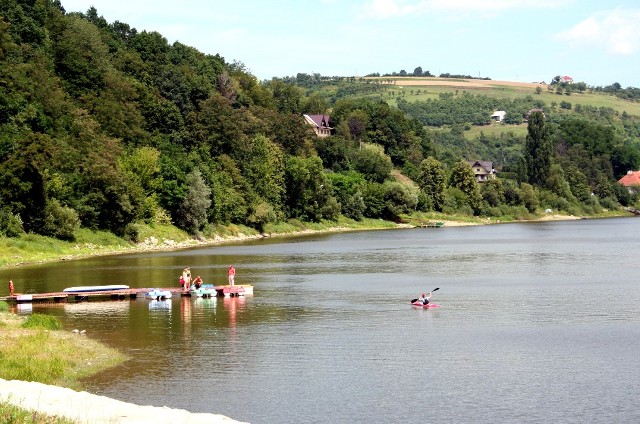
[[87, 408]]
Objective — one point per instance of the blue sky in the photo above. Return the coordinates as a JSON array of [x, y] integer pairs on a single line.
[[596, 42]]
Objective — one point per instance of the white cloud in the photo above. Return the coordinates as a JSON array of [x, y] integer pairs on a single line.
[[614, 31]]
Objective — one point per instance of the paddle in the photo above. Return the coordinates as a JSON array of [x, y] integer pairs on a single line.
[[415, 300]]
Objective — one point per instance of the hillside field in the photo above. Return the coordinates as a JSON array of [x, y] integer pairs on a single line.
[[415, 88]]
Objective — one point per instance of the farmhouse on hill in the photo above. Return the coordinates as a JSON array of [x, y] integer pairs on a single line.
[[483, 170], [631, 181], [499, 115], [320, 124]]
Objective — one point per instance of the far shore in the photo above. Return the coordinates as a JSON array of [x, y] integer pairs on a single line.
[[151, 244]]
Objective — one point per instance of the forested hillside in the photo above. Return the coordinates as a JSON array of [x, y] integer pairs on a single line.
[[103, 126]]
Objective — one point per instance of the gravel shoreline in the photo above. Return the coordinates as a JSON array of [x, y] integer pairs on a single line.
[[87, 408]]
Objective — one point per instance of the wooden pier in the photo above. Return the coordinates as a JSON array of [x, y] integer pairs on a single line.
[[120, 294]]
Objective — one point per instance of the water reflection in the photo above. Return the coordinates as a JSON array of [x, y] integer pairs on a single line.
[[160, 305], [97, 308]]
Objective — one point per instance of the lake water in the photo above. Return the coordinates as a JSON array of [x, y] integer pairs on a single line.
[[538, 323]]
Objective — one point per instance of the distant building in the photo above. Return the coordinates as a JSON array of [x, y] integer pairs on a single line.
[[566, 79], [320, 124], [483, 170], [499, 115], [631, 181]]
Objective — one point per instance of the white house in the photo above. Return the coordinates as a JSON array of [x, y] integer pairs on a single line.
[[320, 124], [499, 115]]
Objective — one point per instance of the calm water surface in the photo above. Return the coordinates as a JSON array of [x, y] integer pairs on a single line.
[[538, 323]]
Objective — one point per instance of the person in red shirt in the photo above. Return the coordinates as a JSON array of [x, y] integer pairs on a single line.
[[232, 275], [11, 288], [198, 282]]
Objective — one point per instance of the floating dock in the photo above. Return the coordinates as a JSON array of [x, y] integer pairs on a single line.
[[120, 294]]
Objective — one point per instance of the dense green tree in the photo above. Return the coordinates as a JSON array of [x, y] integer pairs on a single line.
[[263, 167], [463, 178], [229, 203], [493, 192], [538, 150], [335, 152], [81, 56], [529, 197], [432, 180], [308, 195], [288, 98], [398, 199], [193, 213], [371, 161], [347, 189]]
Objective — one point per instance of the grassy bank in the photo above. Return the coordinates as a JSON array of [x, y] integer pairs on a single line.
[[10, 414], [36, 349], [31, 248]]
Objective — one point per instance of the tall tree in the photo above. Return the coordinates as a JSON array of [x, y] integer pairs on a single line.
[[195, 205], [463, 178], [538, 150], [432, 181]]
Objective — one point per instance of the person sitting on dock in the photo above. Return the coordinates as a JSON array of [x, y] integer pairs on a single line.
[[232, 274], [198, 282]]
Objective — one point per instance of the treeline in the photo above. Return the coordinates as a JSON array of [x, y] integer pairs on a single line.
[[629, 93], [104, 127], [418, 72]]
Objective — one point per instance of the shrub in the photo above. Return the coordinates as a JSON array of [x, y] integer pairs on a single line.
[[10, 224], [60, 222], [46, 322], [353, 206], [609, 203], [132, 233]]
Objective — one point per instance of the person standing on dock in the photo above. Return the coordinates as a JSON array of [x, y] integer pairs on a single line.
[[232, 275], [186, 276], [11, 288]]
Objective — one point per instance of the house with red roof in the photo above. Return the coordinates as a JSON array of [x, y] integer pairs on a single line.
[[320, 124], [631, 181], [566, 79]]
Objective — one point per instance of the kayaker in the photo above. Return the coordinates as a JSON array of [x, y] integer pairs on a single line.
[[424, 298]]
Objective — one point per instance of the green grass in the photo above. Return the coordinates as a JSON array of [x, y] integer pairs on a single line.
[[495, 129], [510, 92], [10, 414], [46, 322], [38, 353]]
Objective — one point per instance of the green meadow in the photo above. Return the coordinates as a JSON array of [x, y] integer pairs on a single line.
[[415, 89]]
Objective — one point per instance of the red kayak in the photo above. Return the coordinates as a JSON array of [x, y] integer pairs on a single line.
[[427, 306]]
